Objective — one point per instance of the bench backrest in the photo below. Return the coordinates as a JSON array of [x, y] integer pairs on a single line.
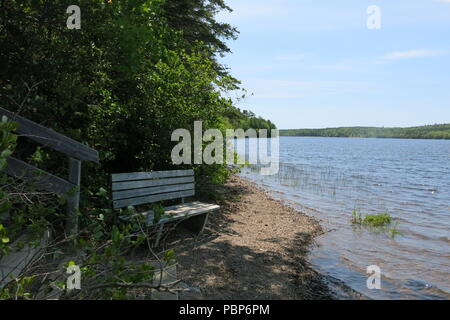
[[130, 189]]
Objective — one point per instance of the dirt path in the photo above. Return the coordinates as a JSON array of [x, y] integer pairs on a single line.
[[255, 248]]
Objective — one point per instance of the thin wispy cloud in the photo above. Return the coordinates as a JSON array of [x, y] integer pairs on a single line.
[[420, 53]]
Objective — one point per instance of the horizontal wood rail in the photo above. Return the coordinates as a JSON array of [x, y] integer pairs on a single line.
[[77, 152], [51, 139], [41, 179]]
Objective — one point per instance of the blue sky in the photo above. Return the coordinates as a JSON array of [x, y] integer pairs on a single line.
[[314, 63]]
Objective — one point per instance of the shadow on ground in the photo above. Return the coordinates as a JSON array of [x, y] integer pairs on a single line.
[[213, 266]]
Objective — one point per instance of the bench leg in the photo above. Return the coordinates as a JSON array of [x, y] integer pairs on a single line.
[[158, 235], [197, 223]]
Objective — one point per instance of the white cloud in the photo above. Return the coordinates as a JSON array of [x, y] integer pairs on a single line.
[[419, 53], [443, 1]]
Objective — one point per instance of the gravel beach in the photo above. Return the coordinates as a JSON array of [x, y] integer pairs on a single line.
[[255, 247]]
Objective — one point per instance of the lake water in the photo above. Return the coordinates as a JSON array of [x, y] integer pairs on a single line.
[[328, 178]]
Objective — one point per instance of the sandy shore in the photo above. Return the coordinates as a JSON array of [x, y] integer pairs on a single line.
[[254, 248]]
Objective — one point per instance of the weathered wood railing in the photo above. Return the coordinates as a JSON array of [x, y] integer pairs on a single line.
[[43, 180]]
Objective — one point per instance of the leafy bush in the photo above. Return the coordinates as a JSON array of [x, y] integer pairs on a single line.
[[7, 146], [131, 75]]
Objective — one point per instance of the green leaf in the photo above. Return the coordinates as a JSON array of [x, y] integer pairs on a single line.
[[102, 192], [6, 153]]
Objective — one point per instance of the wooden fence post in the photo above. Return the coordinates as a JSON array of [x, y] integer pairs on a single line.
[[73, 202]]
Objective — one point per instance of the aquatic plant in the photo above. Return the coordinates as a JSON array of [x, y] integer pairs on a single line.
[[357, 217], [377, 222], [393, 231]]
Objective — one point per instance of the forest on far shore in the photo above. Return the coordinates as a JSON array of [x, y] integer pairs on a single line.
[[436, 131]]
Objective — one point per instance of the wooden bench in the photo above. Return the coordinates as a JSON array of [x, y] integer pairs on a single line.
[[138, 188]]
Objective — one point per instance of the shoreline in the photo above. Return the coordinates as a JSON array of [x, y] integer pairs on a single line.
[[256, 247]]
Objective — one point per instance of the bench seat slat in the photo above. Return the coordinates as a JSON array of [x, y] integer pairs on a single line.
[[152, 198], [150, 175], [181, 211], [116, 186], [134, 193]]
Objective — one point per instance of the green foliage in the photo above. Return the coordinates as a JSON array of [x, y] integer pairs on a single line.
[[4, 239], [169, 257], [158, 212], [135, 71], [104, 262], [7, 146], [18, 289], [31, 217], [195, 20], [7, 141], [38, 156], [437, 131], [246, 120]]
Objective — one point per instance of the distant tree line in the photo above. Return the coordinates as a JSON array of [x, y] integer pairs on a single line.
[[436, 131], [247, 119]]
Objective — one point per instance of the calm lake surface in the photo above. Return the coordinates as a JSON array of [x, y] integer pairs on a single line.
[[328, 178]]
